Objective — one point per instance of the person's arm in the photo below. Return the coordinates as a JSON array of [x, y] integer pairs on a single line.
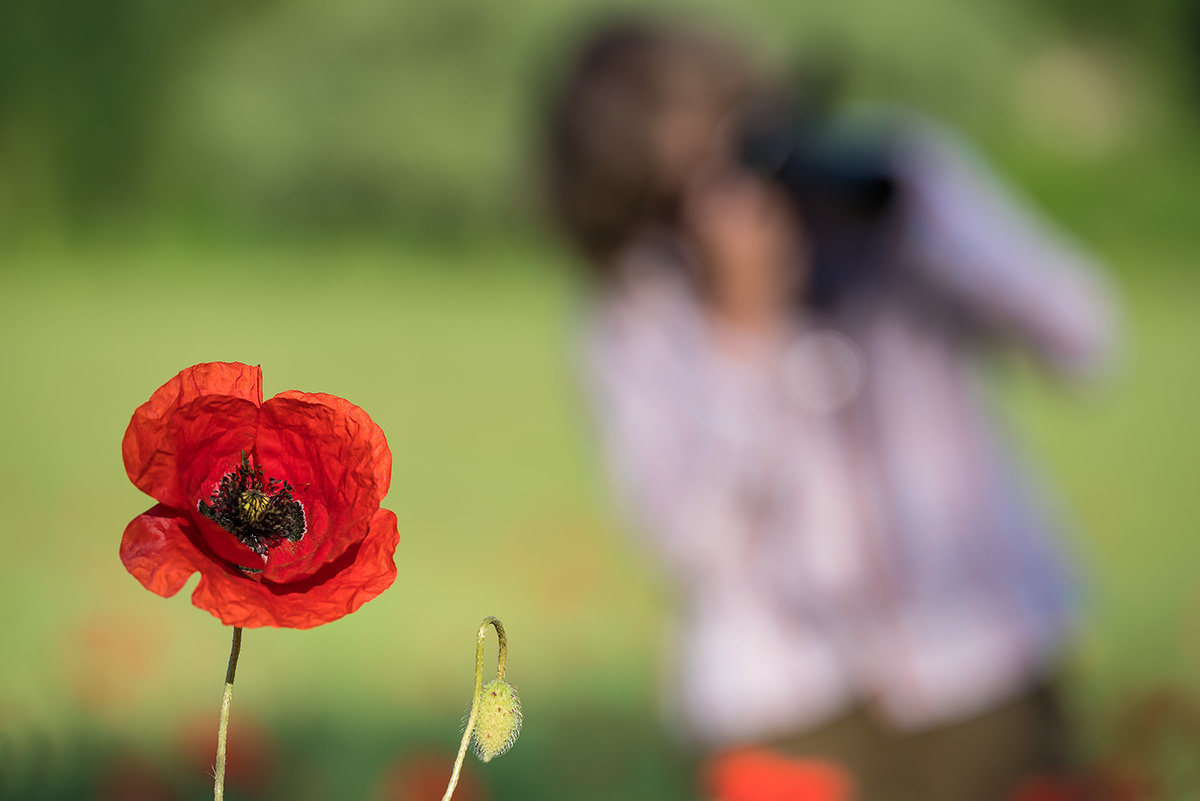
[[971, 242]]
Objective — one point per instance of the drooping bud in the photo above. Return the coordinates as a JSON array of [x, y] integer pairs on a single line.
[[498, 720]]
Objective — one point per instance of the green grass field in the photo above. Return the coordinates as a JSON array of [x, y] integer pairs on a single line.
[[465, 360]]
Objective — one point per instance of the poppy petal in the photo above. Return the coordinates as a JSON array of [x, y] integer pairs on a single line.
[[360, 574], [338, 462], [149, 451], [375, 455], [158, 552]]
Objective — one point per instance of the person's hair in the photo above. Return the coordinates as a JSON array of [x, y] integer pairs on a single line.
[[599, 158]]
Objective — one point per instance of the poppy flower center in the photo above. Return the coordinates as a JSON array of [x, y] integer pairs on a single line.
[[261, 514]]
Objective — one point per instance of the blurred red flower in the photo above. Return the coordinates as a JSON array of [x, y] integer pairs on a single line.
[[755, 774], [422, 776], [252, 765], [130, 776], [275, 503]]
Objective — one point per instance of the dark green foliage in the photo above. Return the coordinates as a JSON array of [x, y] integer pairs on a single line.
[[310, 119]]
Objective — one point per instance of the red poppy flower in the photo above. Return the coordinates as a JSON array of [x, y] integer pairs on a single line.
[[252, 764], [275, 503], [757, 774], [422, 777]]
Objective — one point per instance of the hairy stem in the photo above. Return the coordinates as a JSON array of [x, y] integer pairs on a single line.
[[222, 729], [501, 664]]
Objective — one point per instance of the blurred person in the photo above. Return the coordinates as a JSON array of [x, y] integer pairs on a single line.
[[782, 350]]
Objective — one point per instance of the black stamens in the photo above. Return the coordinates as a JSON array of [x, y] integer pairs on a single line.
[[261, 515]]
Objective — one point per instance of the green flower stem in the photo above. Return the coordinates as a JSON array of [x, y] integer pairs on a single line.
[[222, 730], [501, 664]]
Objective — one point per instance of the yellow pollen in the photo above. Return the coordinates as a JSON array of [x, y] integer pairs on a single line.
[[254, 504]]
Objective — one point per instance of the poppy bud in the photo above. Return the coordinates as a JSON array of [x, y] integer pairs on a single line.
[[498, 720]]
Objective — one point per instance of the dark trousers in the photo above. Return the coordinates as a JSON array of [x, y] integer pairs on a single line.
[[982, 758]]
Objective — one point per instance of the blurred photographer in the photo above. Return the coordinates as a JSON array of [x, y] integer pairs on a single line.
[[782, 356]]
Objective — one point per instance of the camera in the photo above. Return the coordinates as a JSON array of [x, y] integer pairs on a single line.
[[844, 189]]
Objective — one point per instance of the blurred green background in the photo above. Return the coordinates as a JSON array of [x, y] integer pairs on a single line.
[[344, 194]]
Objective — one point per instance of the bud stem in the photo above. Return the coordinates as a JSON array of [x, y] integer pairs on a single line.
[[222, 729], [501, 664]]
